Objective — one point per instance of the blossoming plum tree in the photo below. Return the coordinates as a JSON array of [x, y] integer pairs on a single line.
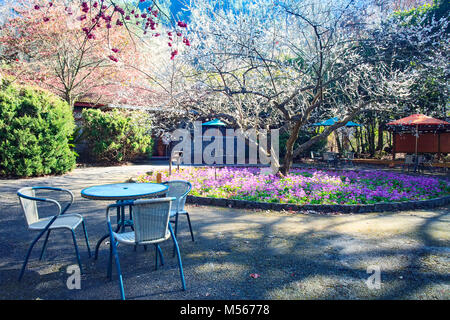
[[277, 64]]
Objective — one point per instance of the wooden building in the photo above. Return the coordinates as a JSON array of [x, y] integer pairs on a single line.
[[419, 133]]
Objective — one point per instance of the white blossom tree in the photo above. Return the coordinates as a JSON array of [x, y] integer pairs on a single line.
[[276, 64]]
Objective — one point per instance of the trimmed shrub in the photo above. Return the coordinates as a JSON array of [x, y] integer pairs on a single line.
[[115, 137], [35, 127]]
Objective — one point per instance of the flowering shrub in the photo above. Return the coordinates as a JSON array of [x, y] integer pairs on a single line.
[[307, 186]]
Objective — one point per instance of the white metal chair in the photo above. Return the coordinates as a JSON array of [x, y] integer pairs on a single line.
[[179, 189], [151, 226], [312, 157], [28, 201], [424, 162], [349, 157], [409, 161], [330, 159]]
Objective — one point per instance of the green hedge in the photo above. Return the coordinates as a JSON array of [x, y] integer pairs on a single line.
[[115, 137], [35, 127]]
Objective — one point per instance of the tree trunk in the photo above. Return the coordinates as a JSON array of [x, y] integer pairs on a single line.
[[371, 139], [291, 153], [380, 137], [338, 142], [289, 156], [361, 140], [358, 142], [70, 98]]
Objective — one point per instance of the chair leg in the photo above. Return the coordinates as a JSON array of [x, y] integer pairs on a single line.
[[176, 230], [86, 237], [190, 227], [97, 247], [176, 224], [45, 245], [156, 257], [29, 252], [109, 272], [160, 254], [180, 265], [76, 250], [119, 272]]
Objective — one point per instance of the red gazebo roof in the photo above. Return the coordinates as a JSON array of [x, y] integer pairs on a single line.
[[418, 119]]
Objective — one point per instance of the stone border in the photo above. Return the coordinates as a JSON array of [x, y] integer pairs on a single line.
[[328, 208]]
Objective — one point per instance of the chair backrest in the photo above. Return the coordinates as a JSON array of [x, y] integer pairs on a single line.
[[176, 157], [409, 159], [329, 156], [151, 219], [29, 205], [421, 159], [29, 200], [178, 189]]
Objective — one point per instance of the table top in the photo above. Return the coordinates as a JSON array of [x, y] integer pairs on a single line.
[[123, 191]]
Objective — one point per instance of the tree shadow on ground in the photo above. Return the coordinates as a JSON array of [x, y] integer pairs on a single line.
[[311, 263]]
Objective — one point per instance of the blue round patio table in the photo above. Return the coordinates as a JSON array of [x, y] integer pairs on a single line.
[[122, 193]]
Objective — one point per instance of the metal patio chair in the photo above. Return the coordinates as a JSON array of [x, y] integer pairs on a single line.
[[29, 200], [151, 226], [331, 159], [409, 162], [425, 162], [313, 157], [179, 189], [349, 157]]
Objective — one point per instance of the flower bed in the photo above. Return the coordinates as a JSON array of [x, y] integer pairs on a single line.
[[307, 186]]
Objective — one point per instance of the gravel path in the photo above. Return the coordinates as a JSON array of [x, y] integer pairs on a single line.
[[291, 256]]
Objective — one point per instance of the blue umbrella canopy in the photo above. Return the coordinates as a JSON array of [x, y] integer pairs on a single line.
[[215, 122], [332, 121]]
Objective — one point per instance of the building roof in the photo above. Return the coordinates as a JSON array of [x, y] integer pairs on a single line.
[[418, 120]]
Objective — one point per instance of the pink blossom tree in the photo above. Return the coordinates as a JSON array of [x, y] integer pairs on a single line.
[[74, 49]]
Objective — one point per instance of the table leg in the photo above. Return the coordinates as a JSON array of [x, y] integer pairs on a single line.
[[122, 216], [122, 223], [106, 236]]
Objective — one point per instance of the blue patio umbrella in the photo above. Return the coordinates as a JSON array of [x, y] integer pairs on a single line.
[[332, 121], [215, 122]]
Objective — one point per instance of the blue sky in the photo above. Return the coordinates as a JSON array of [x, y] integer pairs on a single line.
[[175, 8]]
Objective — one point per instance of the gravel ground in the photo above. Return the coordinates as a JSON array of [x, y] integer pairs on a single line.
[[291, 256]]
